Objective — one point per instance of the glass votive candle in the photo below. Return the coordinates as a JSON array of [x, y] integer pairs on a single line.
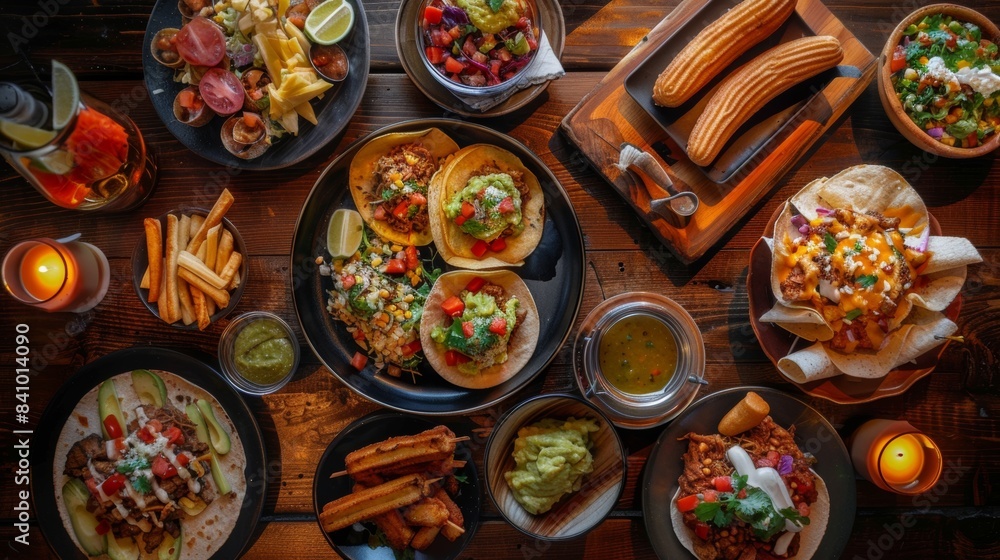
[[63, 275], [895, 456]]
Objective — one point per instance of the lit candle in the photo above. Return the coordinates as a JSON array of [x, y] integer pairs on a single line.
[[43, 272], [895, 456], [902, 460]]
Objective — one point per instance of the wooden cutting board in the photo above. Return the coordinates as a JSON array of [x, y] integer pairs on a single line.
[[608, 116]]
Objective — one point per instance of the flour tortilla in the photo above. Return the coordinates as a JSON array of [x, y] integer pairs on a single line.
[[203, 534], [919, 316], [452, 243], [809, 538], [520, 347], [363, 183]]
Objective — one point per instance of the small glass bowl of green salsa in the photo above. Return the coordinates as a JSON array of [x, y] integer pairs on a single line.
[[258, 353], [942, 71]]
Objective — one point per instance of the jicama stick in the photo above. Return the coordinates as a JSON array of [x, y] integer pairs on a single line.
[[154, 252]]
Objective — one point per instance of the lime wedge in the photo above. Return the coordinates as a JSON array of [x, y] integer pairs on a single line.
[[343, 237], [26, 137], [59, 162], [330, 22], [65, 95]]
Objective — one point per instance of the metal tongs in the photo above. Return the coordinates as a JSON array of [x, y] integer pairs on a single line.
[[676, 208]]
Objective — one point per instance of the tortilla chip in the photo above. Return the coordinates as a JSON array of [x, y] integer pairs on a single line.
[[363, 184], [454, 245], [520, 347], [950, 252]]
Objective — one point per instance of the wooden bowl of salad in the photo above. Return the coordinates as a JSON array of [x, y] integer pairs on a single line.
[[937, 81]]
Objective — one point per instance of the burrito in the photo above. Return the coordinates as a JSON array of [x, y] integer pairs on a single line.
[[855, 270]]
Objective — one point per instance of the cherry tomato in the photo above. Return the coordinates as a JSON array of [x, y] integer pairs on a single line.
[[687, 503], [412, 259], [898, 59], [499, 326], [395, 266], [174, 435], [112, 426], [113, 484], [468, 329], [723, 484], [453, 306], [359, 360], [475, 284], [479, 248], [163, 468]]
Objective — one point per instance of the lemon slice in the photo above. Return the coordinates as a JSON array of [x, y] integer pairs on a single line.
[[65, 95], [343, 236], [330, 22], [26, 137]]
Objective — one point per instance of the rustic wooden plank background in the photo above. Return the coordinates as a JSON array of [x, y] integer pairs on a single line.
[[957, 405]]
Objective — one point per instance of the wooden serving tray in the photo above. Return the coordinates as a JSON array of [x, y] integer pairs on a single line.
[[608, 116]]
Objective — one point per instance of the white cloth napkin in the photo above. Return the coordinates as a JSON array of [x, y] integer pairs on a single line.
[[546, 67]]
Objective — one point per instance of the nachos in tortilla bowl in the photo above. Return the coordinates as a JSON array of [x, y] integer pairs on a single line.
[[487, 209], [389, 179], [479, 329], [855, 270], [752, 495], [149, 466]]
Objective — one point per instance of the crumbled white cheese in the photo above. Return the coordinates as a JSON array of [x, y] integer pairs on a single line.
[[981, 80]]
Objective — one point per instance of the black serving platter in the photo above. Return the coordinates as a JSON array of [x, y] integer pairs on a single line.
[[554, 273], [333, 111]]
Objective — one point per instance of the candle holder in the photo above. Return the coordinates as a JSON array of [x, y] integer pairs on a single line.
[[57, 275], [896, 457]]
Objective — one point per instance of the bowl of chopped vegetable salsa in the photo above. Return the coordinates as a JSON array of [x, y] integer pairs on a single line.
[[940, 81], [478, 47]]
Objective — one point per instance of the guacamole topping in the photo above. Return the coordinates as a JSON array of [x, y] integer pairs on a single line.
[[488, 19], [552, 458], [263, 353], [945, 74], [489, 325], [488, 205]]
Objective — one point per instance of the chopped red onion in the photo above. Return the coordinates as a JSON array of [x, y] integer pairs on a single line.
[[785, 465], [936, 132], [918, 244]]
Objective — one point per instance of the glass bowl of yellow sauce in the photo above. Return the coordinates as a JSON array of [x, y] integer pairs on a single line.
[[640, 358], [258, 353]]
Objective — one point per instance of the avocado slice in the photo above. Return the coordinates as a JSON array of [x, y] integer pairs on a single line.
[[221, 482], [219, 436], [108, 405], [75, 495], [122, 549], [170, 548], [149, 387]]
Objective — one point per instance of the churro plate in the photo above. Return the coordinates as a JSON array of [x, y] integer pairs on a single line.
[[620, 109], [366, 541]]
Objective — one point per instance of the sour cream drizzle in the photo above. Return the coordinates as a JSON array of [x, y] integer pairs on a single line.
[[769, 481]]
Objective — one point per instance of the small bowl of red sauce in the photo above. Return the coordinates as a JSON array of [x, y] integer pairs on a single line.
[[330, 62]]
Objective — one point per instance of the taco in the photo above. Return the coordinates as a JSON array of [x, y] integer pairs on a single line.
[[487, 210], [389, 179], [148, 479], [745, 497], [479, 329], [853, 265]]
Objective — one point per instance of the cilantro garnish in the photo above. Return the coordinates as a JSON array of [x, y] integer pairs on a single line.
[[830, 241], [131, 465], [141, 485], [495, 5], [853, 314], [754, 509], [462, 478], [859, 246], [866, 281]]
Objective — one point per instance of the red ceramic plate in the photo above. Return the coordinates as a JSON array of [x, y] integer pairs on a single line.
[[777, 342]]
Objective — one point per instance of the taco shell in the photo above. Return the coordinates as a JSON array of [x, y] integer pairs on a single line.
[[364, 184], [521, 345], [455, 245]]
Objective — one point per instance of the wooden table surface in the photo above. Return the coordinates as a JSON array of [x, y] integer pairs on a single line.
[[957, 405]]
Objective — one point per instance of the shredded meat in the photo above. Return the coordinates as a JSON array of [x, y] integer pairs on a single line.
[[885, 223], [406, 162], [791, 287], [740, 542]]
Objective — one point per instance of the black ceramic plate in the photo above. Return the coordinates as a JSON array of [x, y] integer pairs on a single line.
[[373, 428], [185, 367], [553, 26], [332, 112], [553, 272], [767, 128], [813, 434]]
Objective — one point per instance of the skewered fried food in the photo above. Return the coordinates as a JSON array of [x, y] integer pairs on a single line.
[[397, 533], [717, 46], [370, 502], [753, 86], [428, 512], [424, 537], [456, 527], [435, 444]]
